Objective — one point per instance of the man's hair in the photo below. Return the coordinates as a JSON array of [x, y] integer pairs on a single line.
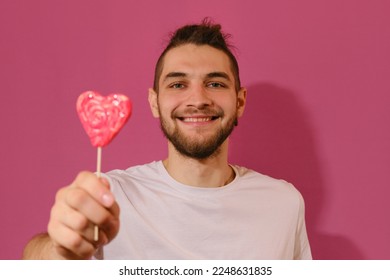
[[205, 33]]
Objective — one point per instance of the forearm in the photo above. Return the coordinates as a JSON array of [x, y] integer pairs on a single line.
[[40, 247]]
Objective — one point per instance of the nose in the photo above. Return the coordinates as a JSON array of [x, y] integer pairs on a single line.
[[199, 97]]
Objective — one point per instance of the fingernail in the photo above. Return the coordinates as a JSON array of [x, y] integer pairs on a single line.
[[107, 199]]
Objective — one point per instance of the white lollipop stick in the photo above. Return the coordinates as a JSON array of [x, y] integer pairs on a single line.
[[99, 162], [98, 173]]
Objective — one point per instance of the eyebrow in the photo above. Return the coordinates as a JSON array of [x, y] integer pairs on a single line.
[[209, 75], [175, 75], [218, 75]]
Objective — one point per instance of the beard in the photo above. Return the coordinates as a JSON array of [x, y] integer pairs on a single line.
[[200, 147]]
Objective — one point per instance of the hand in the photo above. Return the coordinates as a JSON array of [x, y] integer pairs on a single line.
[[77, 209]]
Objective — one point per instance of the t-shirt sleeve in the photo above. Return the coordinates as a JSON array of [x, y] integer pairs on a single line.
[[302, 249]]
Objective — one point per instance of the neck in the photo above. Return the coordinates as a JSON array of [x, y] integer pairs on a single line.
[[211, 172]]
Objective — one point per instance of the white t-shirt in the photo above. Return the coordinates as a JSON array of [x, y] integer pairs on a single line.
[[253, 217]]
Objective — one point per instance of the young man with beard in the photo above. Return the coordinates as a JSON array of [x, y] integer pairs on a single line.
[[193, 204]]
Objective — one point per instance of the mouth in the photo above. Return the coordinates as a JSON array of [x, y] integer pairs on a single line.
[[201, 119]]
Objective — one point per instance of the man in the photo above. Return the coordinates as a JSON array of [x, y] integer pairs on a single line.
[[193, 204]]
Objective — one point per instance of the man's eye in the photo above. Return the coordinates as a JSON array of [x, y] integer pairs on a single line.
[[215, 85], [177, 85]]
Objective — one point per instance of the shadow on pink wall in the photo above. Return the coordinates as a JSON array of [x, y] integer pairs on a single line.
[[277, 127]]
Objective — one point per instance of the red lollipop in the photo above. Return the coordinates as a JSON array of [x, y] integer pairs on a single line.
[[102, 118]]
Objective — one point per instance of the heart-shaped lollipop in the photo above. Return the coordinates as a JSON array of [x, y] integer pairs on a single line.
[[103, 117]]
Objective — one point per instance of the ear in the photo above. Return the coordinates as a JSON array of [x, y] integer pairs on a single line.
[[152, 98], [241, 101]]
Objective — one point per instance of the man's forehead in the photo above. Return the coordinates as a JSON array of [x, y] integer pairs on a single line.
[[189, 58], [189, 51]]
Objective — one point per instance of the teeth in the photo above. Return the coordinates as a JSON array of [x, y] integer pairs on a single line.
[[197, 119]]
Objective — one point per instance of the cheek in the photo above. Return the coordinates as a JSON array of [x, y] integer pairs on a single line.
[[166, 107], [229, 106]]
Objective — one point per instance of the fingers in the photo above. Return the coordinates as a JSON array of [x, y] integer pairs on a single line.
[[87, 202], [98, 188], [68, 243], [94, 211], [76, 221]]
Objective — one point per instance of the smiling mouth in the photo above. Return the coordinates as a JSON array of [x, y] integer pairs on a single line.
[[197, 119]]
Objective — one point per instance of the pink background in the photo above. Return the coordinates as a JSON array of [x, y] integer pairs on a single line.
[[317, 115]]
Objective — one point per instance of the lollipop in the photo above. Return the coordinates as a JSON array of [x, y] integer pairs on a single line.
[[102, 118]]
